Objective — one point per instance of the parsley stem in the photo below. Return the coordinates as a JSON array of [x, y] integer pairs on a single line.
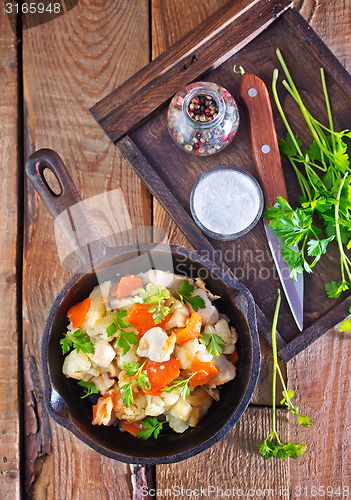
[[275, 358], [327, 102], [337, 231]]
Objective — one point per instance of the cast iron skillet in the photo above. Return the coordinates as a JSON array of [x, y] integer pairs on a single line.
[[63, 396]]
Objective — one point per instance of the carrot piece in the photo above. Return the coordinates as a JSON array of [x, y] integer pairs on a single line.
[[132, 427], [161, 374], [233, 357], [103, 409], [205, 372], [140, 317], [191, 331], [78, 313], [126, 286]]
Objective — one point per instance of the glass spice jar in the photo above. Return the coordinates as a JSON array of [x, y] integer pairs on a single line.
[[203, 118]]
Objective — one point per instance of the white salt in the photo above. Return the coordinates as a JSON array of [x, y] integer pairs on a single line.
[[226, 201]]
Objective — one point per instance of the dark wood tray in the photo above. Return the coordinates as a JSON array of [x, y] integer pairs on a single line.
[[134, 117]]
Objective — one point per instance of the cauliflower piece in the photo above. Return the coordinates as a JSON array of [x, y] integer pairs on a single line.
[[200, 284], [98, 299], [189, 351], [209, 313], [76, 365], [176, 424], [124, 303], [229, 335], [156, 345], [129, 357], [103, 382], [182, 410], [166, 279], [103, 355], [227, 371], [156, 405], [136, 410], [98, 331], [201, 403]]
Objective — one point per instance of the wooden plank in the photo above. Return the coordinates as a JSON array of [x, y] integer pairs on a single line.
[[321, 379], [232, 468], [320, 375], [211, 43], [70, 63], [9, 416]]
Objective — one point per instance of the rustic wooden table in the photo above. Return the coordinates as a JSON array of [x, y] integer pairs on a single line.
[[49, 77]]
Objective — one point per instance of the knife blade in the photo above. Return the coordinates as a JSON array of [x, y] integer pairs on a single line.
[[264, 144]]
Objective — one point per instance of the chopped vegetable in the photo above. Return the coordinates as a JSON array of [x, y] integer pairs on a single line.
[[203, 373], [151, 426], [78, 312], [160, 374], [185, 292], [142, 319], [102, 411], [137, 374], [126, 286], [78, 340], [132, 427], [124, 339], [233, 357], [191, 331], [272, 445], [325, 185], [90, 388], [212, 342]]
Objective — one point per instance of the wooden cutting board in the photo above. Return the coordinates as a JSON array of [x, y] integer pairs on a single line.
[[134, 117]]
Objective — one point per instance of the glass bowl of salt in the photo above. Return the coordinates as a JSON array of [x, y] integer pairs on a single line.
[[226, 202]]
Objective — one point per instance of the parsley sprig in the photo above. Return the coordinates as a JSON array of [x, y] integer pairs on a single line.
[[154, 296], [78, 340], [89, 387], [124, 339], [151, 426], [182, 385], [323, 171], [137, 373], [272, 446], [346, 325], [185, 292], [213, 342]]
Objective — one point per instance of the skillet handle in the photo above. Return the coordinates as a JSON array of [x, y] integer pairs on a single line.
[[81, 230]]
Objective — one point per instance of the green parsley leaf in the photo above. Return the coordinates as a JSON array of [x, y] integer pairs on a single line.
[[154, 295], [79, 340], [185, 292], [212, 342], [90, 388], [346, 325], [137, 373], [151, 426], [124, 339]]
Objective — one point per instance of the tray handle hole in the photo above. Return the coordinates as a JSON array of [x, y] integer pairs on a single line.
[[52, 181]]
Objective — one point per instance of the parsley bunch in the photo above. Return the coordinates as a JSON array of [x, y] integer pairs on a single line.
[[151, 426], [272, 445], [137, 373], [184, 293], [124, 339], [78, 340], [154, 295], [182, 385], [323, 171]]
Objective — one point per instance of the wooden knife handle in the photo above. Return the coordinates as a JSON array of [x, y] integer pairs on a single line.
[[253, 92]]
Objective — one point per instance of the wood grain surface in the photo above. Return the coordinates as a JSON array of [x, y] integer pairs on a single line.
[[9, 415], [69, 64]]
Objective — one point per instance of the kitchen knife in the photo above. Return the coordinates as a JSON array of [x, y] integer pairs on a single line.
[[253, 92]]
